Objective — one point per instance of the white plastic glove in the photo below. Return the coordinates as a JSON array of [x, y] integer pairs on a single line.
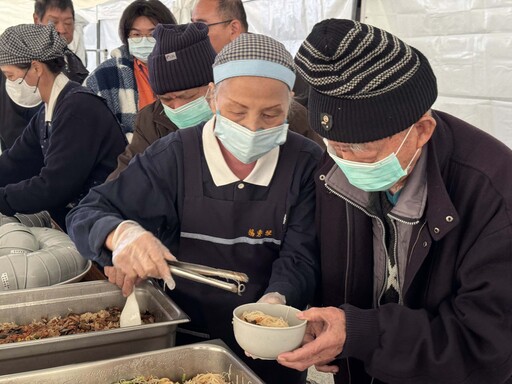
[[272, 298], [138, 253]]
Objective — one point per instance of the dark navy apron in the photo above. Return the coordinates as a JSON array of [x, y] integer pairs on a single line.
[[241, 235]]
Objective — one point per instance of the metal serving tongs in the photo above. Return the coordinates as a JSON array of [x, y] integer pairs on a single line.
[[199, 273]]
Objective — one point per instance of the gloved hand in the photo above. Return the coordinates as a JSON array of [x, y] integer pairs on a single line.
[[117, 277], [272, 298], [138, 253]]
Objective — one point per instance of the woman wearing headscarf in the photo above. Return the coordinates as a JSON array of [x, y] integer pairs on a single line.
[[123, 80], [69, 146], [236, 193]]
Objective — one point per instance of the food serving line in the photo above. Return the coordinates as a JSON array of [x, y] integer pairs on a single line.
[[109, 355]]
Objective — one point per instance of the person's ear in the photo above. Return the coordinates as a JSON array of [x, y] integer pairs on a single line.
[[210, 97], [36, 18], [37, 67], [235, 29], [425, 127]]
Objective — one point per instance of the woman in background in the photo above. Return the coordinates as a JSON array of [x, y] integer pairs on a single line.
[[69, 146], [123, 79]]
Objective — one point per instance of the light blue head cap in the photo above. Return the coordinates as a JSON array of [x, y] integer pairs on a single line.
[[254, 55]]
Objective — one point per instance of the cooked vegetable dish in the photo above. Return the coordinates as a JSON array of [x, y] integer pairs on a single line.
[[71, 324]]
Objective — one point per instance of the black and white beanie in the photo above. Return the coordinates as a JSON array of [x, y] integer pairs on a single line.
[[366, 84], [24, 43], [181, 59]]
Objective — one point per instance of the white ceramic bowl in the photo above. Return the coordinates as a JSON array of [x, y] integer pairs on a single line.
[[268, 342]]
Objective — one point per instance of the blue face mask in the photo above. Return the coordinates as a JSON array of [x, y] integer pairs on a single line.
[[372, 177], [190, 114], [246, 145], [142, 48]]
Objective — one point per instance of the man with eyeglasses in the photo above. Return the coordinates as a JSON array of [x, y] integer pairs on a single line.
[[226, 20], [18, 104]]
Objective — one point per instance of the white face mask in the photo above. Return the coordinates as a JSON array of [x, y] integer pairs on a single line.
[[246, 145], [141, 49], [24, 95]]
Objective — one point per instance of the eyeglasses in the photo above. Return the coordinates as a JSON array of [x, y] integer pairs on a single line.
[[219, 22], [138, 38]]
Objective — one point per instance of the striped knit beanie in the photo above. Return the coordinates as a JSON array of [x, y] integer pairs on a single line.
[[24, 43], [181, 59], [251, 54], [366, 84]]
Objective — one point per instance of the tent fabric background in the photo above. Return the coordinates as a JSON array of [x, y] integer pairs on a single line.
[[469, 44]]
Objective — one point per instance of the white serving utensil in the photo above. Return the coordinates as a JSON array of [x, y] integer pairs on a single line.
[[130, 315]]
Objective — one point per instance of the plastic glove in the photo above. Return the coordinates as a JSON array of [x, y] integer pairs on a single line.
[[272, 298], [117, 277], [138, 253]]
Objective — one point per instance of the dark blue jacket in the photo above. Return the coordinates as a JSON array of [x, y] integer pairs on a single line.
[[151, 191], [455, 324], [52, 167]]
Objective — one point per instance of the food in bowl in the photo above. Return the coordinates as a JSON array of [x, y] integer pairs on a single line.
[[260, 318], [73, 323], [266, 342]]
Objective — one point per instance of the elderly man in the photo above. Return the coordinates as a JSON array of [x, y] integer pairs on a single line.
[[18, 103], [413, 214], [225, 18], [180, 85], [235, 193]]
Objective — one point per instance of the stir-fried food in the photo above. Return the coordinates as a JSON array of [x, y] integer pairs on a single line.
[[71, 324], [202, 378]]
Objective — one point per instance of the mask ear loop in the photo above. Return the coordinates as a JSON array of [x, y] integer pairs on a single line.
[[406, 170], [405, 138]]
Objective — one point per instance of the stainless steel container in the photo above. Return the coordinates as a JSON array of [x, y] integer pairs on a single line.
[[24, 306], [212, 356]]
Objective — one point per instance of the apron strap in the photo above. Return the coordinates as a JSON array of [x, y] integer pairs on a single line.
[[285, 169], [192, 160]]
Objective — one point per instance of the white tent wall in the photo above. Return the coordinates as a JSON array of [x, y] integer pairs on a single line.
[[469, 45], [288, 21]]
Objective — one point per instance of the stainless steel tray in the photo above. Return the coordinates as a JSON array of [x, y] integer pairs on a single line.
[[212, 356], [24, 306]]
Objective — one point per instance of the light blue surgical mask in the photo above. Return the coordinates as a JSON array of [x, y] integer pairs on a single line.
[[246, 145], [141, 47], [372, 177], [190, 114]]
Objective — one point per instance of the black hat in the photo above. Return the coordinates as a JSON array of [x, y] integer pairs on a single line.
[[181, 59], [366, 84]]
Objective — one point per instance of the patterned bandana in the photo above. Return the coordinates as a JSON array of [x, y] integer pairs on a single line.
[[25, 43]]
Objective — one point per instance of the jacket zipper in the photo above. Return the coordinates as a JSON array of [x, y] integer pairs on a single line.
[[381, 224]]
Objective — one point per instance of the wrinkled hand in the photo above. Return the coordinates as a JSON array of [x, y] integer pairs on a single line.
[[137, 253], [117, 277], [323, 341], [272, 298]]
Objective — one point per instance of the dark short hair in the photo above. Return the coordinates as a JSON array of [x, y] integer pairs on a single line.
[[41, 6], [55, 65], [152, 9], [233, 9]]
